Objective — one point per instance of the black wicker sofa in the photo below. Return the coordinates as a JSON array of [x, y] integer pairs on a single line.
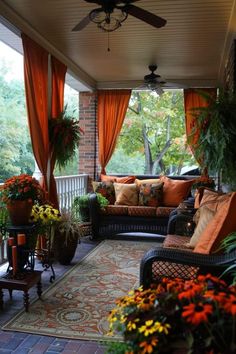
[[126, 226], [175, 262]]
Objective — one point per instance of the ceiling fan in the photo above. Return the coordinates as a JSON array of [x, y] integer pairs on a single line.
[[153, 81], [112, 13]]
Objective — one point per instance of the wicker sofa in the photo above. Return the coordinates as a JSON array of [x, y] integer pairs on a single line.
[[176, 259], [131, 221]]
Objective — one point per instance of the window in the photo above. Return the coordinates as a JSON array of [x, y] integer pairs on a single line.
[[153, 139]]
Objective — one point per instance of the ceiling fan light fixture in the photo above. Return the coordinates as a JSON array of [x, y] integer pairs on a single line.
[[108, 21]]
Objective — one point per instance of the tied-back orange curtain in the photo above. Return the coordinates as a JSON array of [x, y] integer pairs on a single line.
[[194, 99], [58, 83], [58, 71], [112, 107], [36, 90]]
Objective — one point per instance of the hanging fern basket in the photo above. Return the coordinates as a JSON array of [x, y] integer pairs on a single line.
[[64, 135]]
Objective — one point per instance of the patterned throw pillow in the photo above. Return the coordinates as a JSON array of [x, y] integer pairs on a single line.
[[126, 194], [106, 189], [151, 194]]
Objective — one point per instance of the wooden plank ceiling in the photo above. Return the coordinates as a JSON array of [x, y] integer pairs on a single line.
[[190, 50]]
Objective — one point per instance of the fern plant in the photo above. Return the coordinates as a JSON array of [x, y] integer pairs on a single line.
[[217, 135], [64, 136], [229, 245]]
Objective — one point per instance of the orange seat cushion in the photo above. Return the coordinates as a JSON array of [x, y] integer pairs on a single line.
[[175, 191], [141, 211], [222, 224]]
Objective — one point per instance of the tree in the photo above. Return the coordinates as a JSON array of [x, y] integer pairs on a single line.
[[154, 127], [15, 145]]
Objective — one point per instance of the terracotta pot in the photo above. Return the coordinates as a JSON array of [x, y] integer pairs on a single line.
[[19, 211]]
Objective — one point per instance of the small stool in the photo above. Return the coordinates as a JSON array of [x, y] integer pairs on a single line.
[[28, 280]]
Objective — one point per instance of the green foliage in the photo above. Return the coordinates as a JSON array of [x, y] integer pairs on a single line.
[[15, 143], [117, 348], [16, 151], [83, 201], [229, 245], [153, 125], [216, 146], [69, 227], [124, 163]]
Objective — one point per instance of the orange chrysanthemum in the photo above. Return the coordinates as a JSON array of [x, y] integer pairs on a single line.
[[148, 346]]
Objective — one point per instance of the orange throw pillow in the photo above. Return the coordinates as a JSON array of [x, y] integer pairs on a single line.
[[175, 191], [126, 179], [105, 178], [213, 199], [222, 224]]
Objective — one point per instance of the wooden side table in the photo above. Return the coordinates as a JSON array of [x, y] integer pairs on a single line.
[[26, 282]]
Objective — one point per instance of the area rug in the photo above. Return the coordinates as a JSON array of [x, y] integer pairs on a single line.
[[77, 305]]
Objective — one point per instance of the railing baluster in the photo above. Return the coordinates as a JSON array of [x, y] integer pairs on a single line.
[[69, 187]]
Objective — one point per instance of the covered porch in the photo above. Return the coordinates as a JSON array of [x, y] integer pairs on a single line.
[[195, 49]]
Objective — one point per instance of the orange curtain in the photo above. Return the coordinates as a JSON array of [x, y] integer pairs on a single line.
[[194, 99], [58, 70], [36, 90], [58, 84], [112, 107]]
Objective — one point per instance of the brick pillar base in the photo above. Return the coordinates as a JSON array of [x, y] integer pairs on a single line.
[[88, 152]]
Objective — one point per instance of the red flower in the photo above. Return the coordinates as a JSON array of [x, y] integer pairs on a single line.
[[190, 291], [230, 304], [197, 313], [215, 296]]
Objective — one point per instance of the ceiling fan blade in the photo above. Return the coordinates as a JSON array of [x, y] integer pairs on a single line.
[[82, 24], [99, 2], [145, 16]]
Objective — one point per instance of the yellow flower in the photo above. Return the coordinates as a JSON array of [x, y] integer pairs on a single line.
[[148, 328], [162, 327], [131, 326]]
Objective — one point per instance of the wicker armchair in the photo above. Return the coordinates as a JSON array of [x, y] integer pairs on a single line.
[[169, 262]]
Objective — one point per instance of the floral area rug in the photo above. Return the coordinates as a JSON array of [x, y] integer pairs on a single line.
[[77, 305]]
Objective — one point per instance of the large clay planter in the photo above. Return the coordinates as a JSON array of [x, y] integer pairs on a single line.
[[19, 211]]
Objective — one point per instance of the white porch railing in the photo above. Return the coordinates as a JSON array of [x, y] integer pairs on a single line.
[[68, 187]]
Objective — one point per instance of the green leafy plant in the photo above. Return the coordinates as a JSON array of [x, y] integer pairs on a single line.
[[217, 135], [68, 226], [81, 204], [64, 135], [229, 245]]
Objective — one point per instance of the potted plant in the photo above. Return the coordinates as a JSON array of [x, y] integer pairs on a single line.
[[217, 135], [64, 136], [19, 193], [81, 205], [67, 235], [177, 316]]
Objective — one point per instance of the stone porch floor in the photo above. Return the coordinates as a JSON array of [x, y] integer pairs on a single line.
[[22, 343]]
